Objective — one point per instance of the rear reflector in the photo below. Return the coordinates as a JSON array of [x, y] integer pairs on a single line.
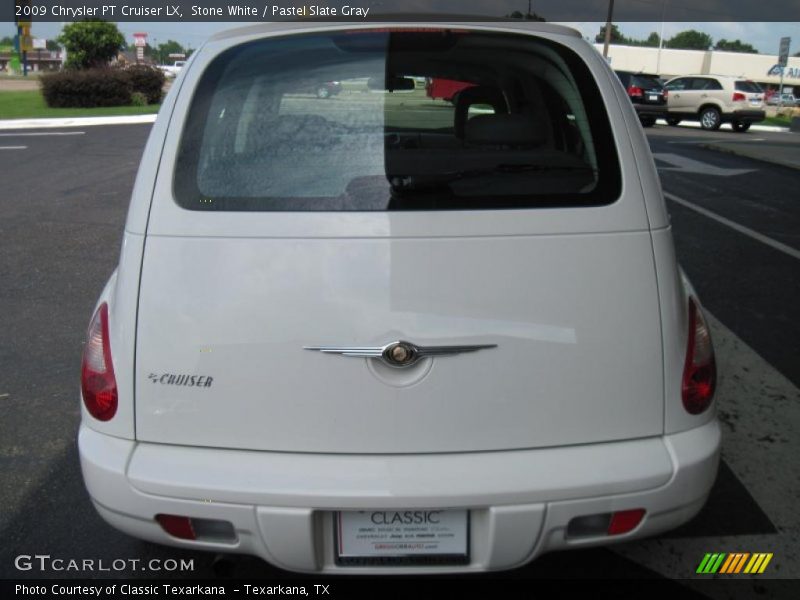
[[203, 530], [700, 369], [625, 521], [605, 523], [179, 527], [98, 384]]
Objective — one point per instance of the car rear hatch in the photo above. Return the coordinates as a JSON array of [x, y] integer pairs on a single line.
[[364, 219], [748, 94], [647, 89]]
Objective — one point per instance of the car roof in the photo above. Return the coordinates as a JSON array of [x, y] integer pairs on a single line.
[[419, 20], [713, 76]]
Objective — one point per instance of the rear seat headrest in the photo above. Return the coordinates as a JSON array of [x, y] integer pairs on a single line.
[[478, 94], [504, 130]]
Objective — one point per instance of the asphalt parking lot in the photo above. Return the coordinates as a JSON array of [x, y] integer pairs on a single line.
[[62, 210]]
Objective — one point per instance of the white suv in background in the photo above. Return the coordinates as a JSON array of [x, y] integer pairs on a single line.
[[390, 335], [714, 100]]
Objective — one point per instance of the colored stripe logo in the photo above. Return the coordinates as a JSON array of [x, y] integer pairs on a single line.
[[734, 563]]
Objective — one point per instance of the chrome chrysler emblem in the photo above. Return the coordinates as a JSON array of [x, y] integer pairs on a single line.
[[398, 354]]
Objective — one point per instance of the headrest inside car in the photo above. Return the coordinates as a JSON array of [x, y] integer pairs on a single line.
[[504, 130]]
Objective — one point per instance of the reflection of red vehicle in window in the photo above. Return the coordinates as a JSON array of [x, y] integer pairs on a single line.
[[445, 89]]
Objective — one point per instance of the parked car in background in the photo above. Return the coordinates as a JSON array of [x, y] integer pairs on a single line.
[[393, 335], [172, 70], [326, 89], [647, 94], [783, 100], [713, 100], [446, 89]]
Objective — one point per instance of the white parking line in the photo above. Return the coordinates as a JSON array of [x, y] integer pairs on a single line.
[[13, 147], [735, 226], [39, 133], [74, 122]]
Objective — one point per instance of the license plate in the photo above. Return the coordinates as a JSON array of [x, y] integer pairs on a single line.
[[402, 537], [653, 98], [755, 102]]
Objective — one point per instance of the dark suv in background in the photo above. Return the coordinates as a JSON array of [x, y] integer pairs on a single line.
[[647, 94]]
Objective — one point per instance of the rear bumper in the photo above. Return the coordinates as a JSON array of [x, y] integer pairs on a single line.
[[748, 115], [651, 110], [281, 504]]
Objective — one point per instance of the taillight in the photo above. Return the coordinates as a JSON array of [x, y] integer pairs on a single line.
[[700, 369], [635, 91], [739, 97], [666, 94], [98, 384]]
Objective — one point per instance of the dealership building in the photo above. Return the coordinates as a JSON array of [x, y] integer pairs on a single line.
[[761, 68]]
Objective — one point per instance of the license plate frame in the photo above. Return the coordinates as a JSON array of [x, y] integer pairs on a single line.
[[407, 551]]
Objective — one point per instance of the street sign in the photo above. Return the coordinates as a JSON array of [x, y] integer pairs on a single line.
[[25, 40], [39, 44], [783, 51], [140, 40]]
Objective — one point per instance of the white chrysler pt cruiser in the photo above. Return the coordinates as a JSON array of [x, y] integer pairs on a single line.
[[432, 323]]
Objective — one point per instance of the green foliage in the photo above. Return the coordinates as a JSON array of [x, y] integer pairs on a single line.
[[89, 88], [528, 16], [690, 40], [616, 35], [734, 46], [653, 40], [138, 99], [146, 80], [86, 88], [169, 47], [90, 44], [30, 104]]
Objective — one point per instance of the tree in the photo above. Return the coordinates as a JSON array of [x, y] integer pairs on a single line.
[[169, 47], [7, 41], [734, 46], [653, 40], [616, 35], [52, 45], [91, 43], [527, 16], [690, 40]]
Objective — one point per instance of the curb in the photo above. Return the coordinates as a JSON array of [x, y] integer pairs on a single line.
[[752, 156], [727, 127], [75, 122]]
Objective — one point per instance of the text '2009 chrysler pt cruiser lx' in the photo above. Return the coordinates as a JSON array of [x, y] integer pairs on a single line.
[[383, 332]]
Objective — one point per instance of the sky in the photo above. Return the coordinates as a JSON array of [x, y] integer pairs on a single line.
[[764, 36]]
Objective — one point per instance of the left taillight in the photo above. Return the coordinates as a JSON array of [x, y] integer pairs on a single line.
[[634, 90], [98, 384], [700, 368]]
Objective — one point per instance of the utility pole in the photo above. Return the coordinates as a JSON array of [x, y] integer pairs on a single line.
[[608, 27], [661, 38]]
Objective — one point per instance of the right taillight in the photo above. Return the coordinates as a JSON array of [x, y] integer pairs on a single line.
[[700, 369], [98, 384]]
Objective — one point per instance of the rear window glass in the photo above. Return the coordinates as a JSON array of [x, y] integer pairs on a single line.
[[747, 86], [646, 82], [396, 120]]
